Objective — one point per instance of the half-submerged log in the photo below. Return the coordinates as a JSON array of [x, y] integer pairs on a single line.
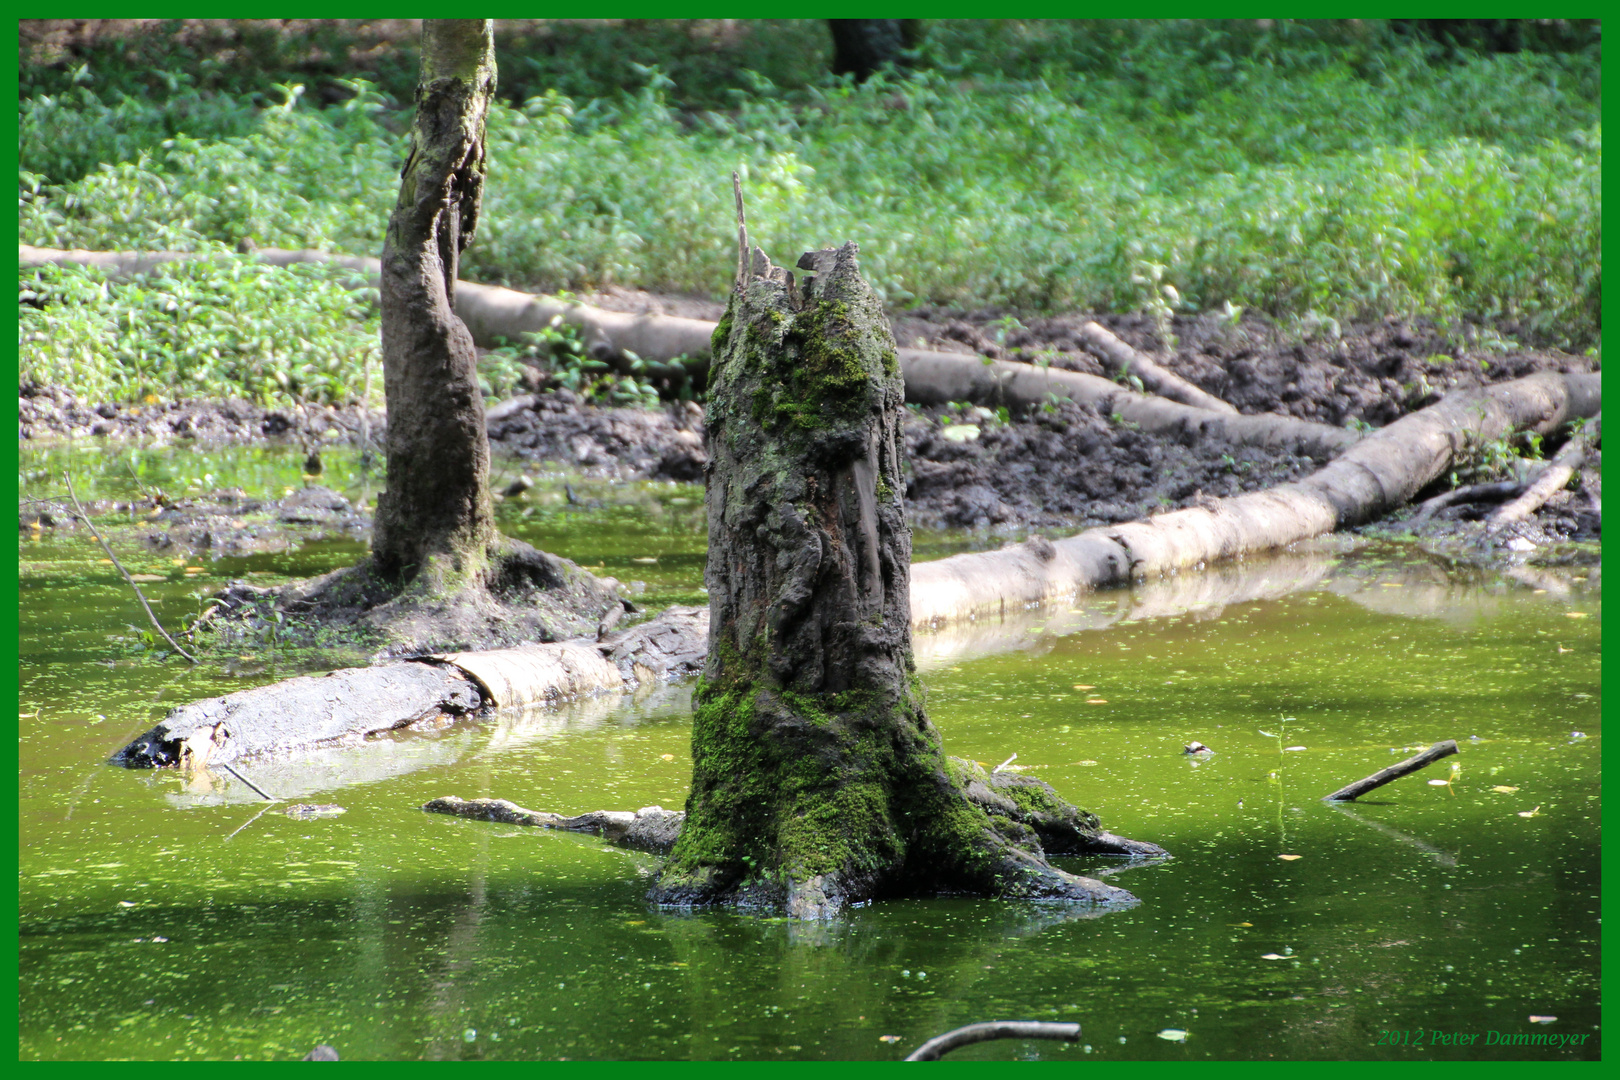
[[1394, 772], [1375, 476], [350, 704], [817, 778], [652, 828]]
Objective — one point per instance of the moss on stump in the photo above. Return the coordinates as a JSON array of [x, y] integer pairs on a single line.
[[818, 780]]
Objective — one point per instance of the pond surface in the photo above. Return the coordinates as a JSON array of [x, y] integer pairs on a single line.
[[162, 917]]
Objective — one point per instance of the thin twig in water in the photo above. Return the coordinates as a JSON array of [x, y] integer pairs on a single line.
[[138, 594], [248, 782], [248, 822]]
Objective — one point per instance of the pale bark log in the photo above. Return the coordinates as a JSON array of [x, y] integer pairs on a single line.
[[1161, 381], [1552, 479], [1378, 474]]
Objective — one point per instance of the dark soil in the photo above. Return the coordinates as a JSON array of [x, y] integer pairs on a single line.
[[1065, 466]]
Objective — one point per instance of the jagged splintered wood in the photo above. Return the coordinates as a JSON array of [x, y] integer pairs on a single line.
[[818, 780]]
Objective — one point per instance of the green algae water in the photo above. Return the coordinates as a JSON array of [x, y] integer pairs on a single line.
[[1452, 915]]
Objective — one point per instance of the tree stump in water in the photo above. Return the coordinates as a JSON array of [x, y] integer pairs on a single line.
[[818, 780]]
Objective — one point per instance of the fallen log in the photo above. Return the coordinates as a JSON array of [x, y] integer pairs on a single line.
[[940, 1045], [1383, 776], [1165, 383], [1552, 479], [353, 703], [652, 828], [492, 312], [1061, 828], [1376, 475]]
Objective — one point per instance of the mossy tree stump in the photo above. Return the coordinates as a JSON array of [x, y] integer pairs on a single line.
[[817, 779]]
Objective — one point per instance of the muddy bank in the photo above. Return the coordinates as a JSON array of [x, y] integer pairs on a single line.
[[1063, 465]]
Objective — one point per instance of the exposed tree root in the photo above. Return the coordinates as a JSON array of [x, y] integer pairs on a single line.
[[519, 595], [1059, 828]]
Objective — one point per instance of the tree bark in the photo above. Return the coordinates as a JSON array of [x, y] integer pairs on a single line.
[[438, 501], [817, 778]]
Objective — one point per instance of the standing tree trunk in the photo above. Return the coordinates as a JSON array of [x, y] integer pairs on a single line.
[[817, 779], [438, 500], [862, 46], [440, 577]]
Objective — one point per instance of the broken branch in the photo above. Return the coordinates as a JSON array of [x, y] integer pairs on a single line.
[[1549, 483], [1394, 772], [138, 594], [940, 1045], [1160, 380]]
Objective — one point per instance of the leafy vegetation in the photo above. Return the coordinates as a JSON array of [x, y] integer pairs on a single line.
[[1311, 172], [216, 327]]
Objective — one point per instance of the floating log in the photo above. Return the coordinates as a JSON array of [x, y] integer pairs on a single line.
[[940, 1045], [1394, 772]]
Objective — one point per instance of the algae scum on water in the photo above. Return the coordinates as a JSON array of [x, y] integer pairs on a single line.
[[163, 916]]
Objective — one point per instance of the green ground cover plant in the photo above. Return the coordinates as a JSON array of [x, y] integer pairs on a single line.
[[1307, 173], [217, 327]]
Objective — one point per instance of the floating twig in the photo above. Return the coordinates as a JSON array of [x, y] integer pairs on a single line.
[[248, 782], [138, 594], [248, 822], [940, 1045], [1394, 772]]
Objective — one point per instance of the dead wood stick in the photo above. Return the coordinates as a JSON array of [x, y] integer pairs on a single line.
[[742, 232], [940, 1045], [1394, 772], [1551, 480], [248, 782], [1160, 380], [138, 594]]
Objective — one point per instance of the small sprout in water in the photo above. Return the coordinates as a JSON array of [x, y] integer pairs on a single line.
[[1173, 1035], [1542, 1019], [1290, 858], [1530, 813]]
